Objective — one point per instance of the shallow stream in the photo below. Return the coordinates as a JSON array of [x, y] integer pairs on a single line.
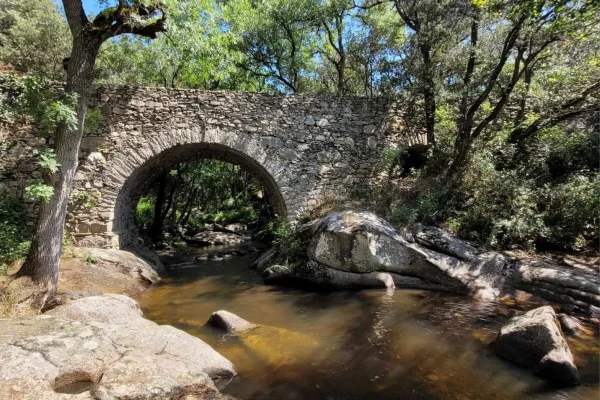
[[369, 344]]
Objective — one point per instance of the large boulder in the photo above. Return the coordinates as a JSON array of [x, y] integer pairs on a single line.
[[104, 271], [126, 262], [325, 277], [104, 345], [361, 243], [534, 340]]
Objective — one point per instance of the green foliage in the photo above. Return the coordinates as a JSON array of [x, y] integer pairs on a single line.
[[38, 190], [34, 96], [90, 258], [47, 160], [244, 215], [291, 241], [89, 198], [528, 205], [144, 213], [426, 209], [93, 120], [14, 238], [573, 212], [34, 37], [391, 158]]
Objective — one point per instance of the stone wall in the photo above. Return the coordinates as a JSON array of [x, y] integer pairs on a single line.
[[300, 147]]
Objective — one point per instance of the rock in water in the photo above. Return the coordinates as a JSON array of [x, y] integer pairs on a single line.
[[570, 325], [229, 322], [362, 243], [269, 346], [534, 340], [277, 274]]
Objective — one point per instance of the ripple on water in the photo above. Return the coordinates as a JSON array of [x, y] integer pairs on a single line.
[[369, 344]]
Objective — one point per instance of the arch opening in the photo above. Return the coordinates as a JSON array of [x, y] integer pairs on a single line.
[[139, 181]]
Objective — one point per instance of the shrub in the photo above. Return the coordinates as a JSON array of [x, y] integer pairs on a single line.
[[90, 258], [144, 213], [573, 211], [14, 239], [291, 241]]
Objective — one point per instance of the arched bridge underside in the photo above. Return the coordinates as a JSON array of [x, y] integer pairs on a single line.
[[302, 148]]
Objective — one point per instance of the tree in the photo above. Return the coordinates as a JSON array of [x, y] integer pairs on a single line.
[[432, 26], [34, 37], [193, 52], [525, 31], [129, 16], [276, 40], [332, 17]]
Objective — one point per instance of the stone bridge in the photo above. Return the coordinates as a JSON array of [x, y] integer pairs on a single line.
[[301, 148]]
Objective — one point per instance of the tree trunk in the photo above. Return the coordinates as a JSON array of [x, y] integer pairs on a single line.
[[157, 221], [428, 93], [42, 262], [461, 153]]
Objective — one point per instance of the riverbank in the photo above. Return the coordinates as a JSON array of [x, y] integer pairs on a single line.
[[310, 344], [361, 344]]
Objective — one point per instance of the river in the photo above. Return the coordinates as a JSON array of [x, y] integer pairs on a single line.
[[369, 344]]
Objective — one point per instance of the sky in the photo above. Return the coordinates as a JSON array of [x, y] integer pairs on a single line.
[[90, 6]]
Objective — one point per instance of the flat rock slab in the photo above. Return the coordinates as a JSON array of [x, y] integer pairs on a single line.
[[104, 344]]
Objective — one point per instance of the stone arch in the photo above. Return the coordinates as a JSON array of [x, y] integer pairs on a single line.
[[132, 170]]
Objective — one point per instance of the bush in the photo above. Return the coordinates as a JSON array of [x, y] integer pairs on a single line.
[[144, 213], [573, 210], [290, 240], [14, 239], [243, 215], [89, 258]]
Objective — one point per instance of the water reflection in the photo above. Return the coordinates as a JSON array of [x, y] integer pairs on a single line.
[[372, 344]]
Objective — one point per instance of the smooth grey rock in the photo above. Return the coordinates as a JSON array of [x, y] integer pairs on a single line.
[[276, 274], [229, 322], [437, 239], [127, 262], [569, 325], [104, 340], [361, 242], [265, 260], [534, 340], [330, 278], [560, 284]]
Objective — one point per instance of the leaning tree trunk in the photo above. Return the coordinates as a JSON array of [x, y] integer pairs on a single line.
[[42, 262]]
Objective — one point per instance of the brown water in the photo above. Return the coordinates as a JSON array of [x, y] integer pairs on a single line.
[[370, 344]]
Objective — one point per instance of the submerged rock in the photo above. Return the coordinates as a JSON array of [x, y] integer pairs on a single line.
[[229, 322], [268, 345], [104, 345], [534, 340]]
